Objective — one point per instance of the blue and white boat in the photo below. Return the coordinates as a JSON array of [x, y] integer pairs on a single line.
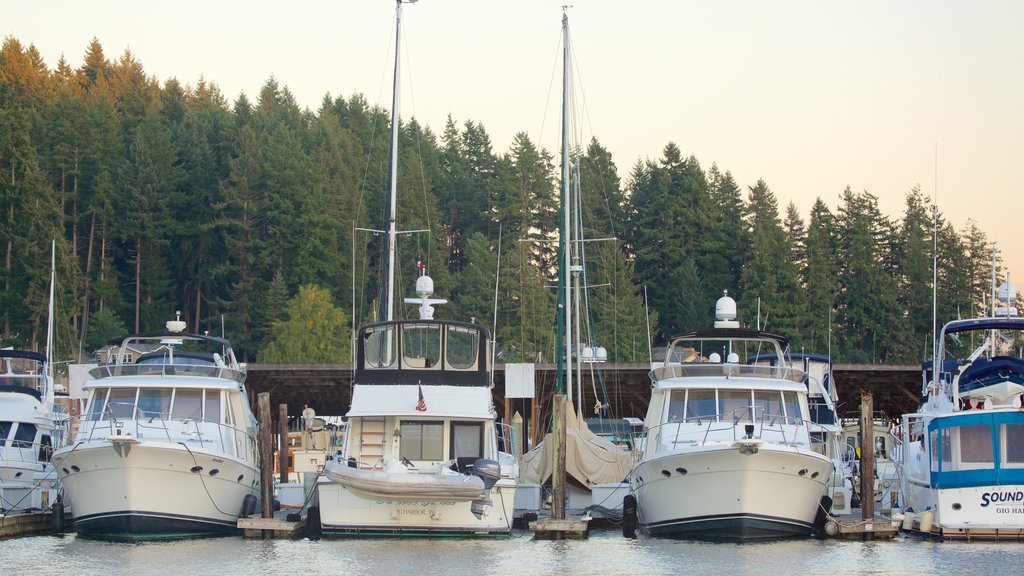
[[962, 452]]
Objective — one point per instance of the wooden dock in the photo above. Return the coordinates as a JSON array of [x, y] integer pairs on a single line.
[[272, 528], [849, 528], [29, 524], [560, 529]]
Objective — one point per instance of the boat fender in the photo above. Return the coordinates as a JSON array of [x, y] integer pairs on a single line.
[[313, 527], [249, 504], [57, 517], [629, 517], [831, 528], [821, 518]]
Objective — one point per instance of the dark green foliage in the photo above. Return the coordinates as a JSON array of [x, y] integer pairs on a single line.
[[169, 198]]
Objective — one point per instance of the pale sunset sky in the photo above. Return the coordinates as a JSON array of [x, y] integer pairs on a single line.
[[810, 95]]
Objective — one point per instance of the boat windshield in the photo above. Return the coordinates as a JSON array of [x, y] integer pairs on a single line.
[[734, 405], [164, 403]]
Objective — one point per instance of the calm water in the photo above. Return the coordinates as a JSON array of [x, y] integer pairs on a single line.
[[605, 552]]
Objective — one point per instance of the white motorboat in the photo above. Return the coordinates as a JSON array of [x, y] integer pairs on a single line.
[[32, 425], [166, 447], [421, 453], [727, 449], [961, 455]]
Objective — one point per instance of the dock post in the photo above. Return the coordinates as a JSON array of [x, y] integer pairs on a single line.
[[517, 435], [282, 432], [266, 455], [867, 456], [558, 474]]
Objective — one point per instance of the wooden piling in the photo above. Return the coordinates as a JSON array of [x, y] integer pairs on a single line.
[[266, 448], [558, 472], [867, 456], [282, 442]]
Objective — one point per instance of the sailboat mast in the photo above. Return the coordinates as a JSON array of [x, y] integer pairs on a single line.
[[48, 371], [387, 299], [565, 278]]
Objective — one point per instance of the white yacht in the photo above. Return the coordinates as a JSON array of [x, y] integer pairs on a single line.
[[421, 453], [727, 451], [31, 426], [961, 454], [166, 447]]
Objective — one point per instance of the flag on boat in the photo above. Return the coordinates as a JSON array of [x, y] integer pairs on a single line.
[[420, 264], [422, 404]]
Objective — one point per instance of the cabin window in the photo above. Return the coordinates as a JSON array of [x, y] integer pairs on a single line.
[[1013, 443], [934, 442], [188, 404], [121, 403], [467, 440], [976, 444], [791, 402], [422, 440], [380, 347], [768, 406], [676, 405], [461, 347], [734, 405], [421, 346], [701, 404], [24, 435], [5, 429], [99, 399], [213, 406], [45, 448], [154, 402]]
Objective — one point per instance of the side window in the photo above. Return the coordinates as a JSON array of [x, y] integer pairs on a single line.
[[24, 435], [676, 403], [188, 404], [5, 429], [45, 448], [976, 445], [97, 401], [462, 346], [121, 403], [212, 412], [701, 404], [380, 348], [467, 440], [792, 405], [1012, 442]]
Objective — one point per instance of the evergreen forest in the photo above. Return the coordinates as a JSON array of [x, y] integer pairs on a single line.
[[254, 218]]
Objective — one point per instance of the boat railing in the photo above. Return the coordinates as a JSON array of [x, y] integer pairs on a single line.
[[507, 438], [19, 453], [699, 430], [711, 370], [139, 423], [203, 371]]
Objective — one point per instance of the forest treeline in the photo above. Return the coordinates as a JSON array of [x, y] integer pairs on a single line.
[[252, 216]]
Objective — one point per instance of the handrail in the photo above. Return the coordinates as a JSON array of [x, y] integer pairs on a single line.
[[147, 422], [775, 423], [115, 370], [710, 370]]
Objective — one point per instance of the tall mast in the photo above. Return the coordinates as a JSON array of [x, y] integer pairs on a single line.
[[564, 277], [48, 371], [387, 297]]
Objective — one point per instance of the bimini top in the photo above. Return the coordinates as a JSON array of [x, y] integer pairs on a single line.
[[24, 355], [427, 352], [1012, 323]]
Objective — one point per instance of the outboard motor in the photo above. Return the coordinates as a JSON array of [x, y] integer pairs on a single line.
[[490, 472]]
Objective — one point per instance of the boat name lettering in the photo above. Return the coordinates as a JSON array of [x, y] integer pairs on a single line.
[[423, 503], [1003, 510], [1006, 496]]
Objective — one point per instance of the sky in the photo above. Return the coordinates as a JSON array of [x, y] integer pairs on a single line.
[[810, 95]]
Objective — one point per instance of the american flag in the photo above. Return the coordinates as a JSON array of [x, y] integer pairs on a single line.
[[420, 264], [422, 404]]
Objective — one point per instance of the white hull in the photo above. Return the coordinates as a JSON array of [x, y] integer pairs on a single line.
[[152, 491], [343, 511], [725, 494]]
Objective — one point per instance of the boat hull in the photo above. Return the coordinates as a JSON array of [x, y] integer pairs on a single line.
[[154, 490], [349, 512], [726, 494]]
